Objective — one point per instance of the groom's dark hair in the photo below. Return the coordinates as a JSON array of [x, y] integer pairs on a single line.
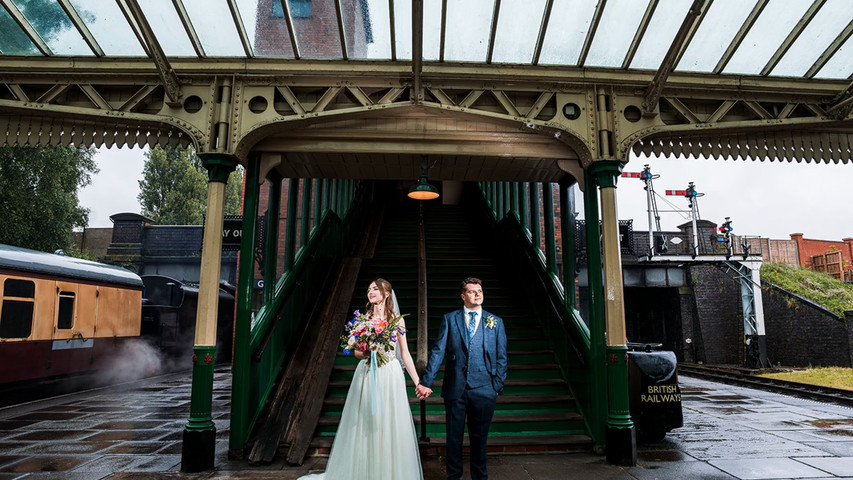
[[474, 280]]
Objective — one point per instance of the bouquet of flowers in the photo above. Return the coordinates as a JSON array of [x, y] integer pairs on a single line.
[[367, 333]]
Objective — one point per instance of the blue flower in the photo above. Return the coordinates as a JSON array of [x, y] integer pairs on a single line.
[[346, 351]]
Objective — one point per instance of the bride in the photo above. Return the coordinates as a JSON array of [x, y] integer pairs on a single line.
[[377, 443]]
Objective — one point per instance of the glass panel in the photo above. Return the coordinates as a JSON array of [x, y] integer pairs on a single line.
[[615, 32], [215, 28], [65, 316], [518, 28], [841, 64], [367, 26], [168, 28], [667, 19], [14, 41], [819, 34], [770, 30], [109, 27], [265, 25], [567, 28], [468, 27], [712, 38], [317, 30], [249, 14], [16, 319], [54, 27]]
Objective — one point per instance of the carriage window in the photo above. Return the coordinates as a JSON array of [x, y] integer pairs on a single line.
[[16, 314], [65, 317]]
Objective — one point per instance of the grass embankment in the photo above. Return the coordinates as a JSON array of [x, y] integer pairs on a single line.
[[821, 288], [835, 295], [835, 377]]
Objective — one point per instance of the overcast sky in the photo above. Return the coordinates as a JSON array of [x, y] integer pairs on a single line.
[[768, 199]]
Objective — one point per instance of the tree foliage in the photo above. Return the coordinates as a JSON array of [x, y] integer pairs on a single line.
[[39, 206], [173, 189], [47, 18]]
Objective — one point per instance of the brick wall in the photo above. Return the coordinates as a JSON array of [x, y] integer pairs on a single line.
[[800, 333], [719, 321], [316, 31], [93, 240], [807, 248]]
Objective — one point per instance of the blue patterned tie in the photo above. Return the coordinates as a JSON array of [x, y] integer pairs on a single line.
[[471, 323]]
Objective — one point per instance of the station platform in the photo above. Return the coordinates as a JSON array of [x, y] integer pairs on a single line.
[[133, 432]]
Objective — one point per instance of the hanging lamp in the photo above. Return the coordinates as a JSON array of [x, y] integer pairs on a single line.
[[423, 190]]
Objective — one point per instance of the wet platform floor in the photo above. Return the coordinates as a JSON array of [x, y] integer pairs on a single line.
[[133, 432]]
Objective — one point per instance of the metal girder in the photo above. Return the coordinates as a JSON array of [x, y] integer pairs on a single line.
[[688, 25], [590, 34], [392, 25], [169, 78], [241, 28], [341, 30], [543, 28], [181, 10], [418, 47], [638, 35], [496, 11], [757, 117], [285, 7], [830, 50]]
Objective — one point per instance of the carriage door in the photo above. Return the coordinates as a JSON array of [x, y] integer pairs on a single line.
[[73, 326]]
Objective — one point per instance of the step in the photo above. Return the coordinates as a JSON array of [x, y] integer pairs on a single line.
[[496, 444], [498, 418]]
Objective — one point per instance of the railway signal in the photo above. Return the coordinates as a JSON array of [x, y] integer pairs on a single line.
[[659, 246], [691, 195]]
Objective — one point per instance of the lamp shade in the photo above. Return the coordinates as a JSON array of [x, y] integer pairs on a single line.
[[423, 190]]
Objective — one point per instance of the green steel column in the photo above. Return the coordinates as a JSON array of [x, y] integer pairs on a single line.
[[271, 237], [329, 203], [290, 224], [326, 187], [525, 205], [493, 194], [306, 212], [507, 193], [567, 233], [550, 230], [240, 371], [199, 438], [535, 219], [317, 203], [620, 435], [516, 198], [595, 293]]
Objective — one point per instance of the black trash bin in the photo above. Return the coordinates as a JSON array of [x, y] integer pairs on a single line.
[[655, 397]]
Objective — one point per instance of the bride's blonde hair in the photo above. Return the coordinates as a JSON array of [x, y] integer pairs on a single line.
[[385, 288]]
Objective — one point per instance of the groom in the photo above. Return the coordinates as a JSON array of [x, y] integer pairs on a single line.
[[473, 342]]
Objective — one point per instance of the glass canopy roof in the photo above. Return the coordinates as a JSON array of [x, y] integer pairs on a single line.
[[791, 38]]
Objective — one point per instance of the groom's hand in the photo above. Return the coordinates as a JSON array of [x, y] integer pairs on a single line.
[[423, 392]]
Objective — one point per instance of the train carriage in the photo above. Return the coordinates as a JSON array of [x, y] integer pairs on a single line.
[[63, 316]]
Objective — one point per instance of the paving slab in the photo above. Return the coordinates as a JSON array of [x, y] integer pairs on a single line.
[[767, 469]]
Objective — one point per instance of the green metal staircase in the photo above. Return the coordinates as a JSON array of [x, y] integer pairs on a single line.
[[537, 411]]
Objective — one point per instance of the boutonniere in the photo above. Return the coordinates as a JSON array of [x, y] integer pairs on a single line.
[[490, 322]]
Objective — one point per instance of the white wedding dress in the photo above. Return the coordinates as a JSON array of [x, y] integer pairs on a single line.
[[376, 437]]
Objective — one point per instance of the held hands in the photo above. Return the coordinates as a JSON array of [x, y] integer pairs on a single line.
[[422, 392]]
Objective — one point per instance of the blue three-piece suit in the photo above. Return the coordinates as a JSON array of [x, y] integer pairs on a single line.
[[474, 375]]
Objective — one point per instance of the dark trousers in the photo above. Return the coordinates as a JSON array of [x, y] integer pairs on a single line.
[[478, 405]]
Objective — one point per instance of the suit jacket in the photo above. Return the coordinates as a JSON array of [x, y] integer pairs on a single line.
[[451, 346]]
